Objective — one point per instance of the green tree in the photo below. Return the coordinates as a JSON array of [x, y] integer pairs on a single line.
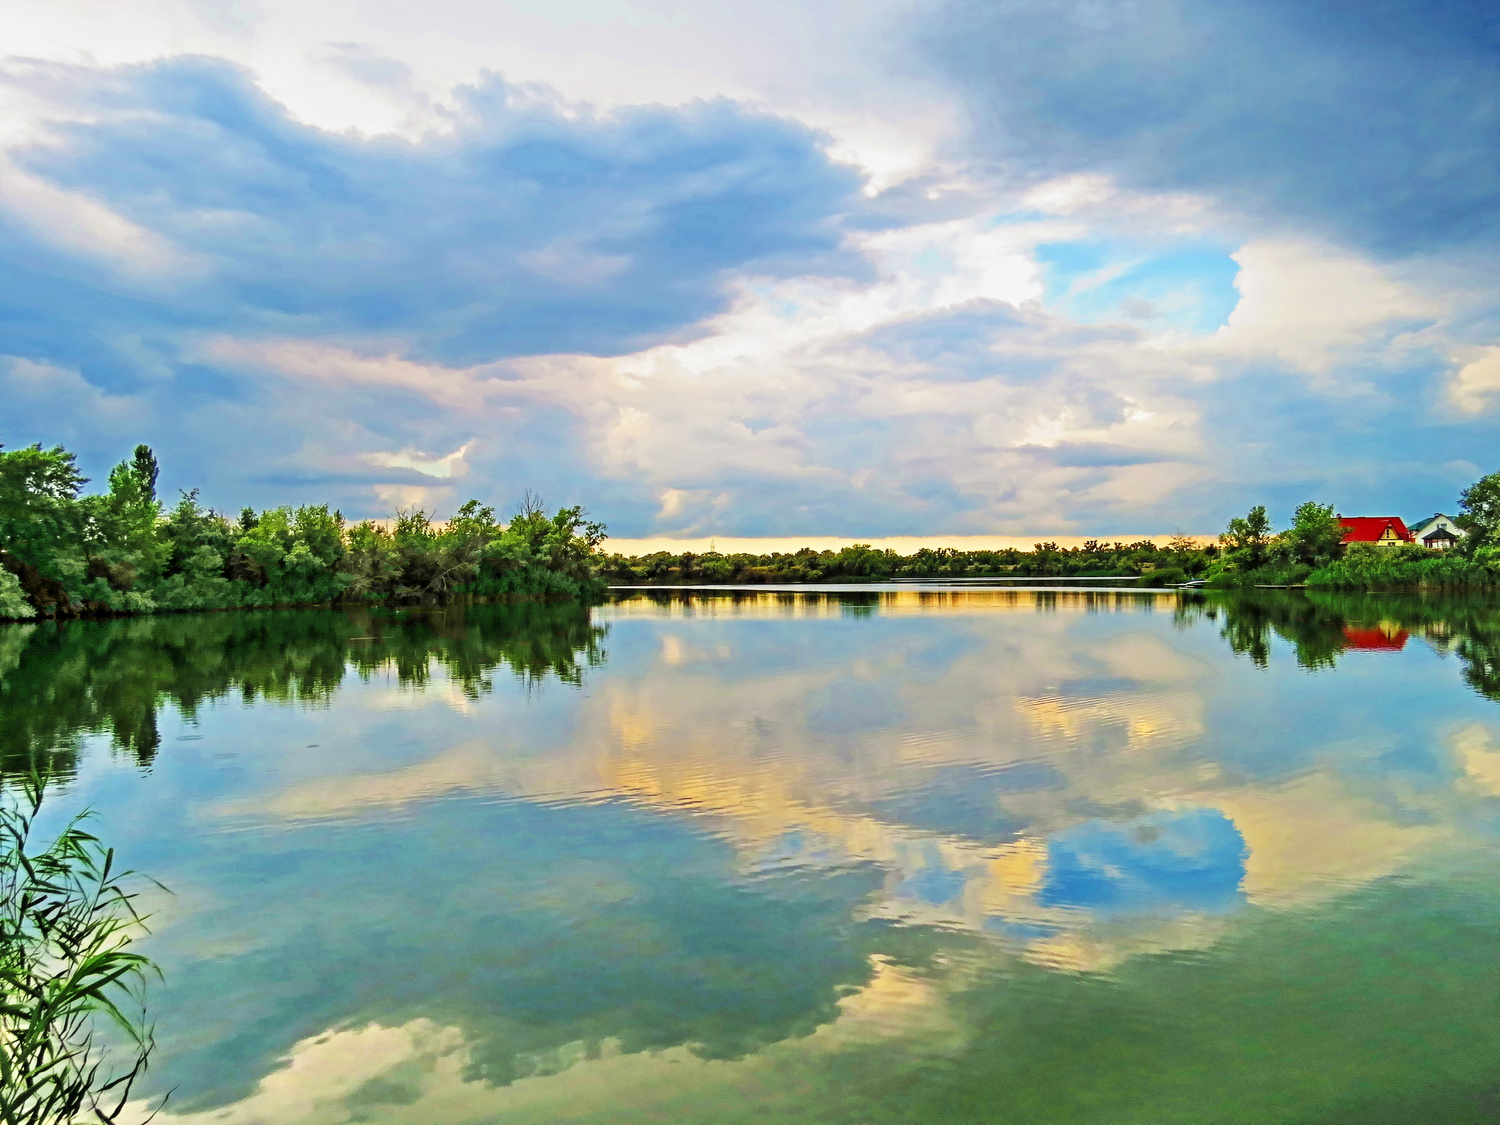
[[1315, 537], [371, 559], [297, 551], [146, 469], [1246, 539], [39, 514], [1480, 508], [199, 540]]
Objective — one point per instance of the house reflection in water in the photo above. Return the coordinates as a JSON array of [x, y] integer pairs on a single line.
[[1386, 636]]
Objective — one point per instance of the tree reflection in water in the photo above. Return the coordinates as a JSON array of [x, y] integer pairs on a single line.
[[1323, 626], [61, 682]]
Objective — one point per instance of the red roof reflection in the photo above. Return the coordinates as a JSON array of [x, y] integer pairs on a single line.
[[1378, 639]]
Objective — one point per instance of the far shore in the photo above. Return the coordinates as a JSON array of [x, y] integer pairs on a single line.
[[901, 544]]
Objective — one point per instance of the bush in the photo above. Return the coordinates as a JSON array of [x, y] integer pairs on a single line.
[[1368, 567], [1170, 576]]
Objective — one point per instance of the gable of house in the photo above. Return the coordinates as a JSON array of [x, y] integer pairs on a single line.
[[1374, 529]]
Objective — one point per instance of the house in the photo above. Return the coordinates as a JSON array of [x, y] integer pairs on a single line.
[[1383, 531], [1437, 532]]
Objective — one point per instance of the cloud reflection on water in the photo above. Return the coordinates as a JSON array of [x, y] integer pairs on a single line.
[[773, 830]]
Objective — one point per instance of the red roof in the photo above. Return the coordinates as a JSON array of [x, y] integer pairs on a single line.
[[1377, 639], [1368, 529]]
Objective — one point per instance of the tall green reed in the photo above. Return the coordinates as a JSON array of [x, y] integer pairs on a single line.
[[67, 920]]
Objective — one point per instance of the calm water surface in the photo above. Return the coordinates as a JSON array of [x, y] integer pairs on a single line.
[[894, 856]]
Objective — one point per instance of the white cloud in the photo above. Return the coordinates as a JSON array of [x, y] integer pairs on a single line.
[[1312, 305], [1477, 381], [444, 468]]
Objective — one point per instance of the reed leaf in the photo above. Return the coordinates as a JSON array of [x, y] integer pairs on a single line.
[[67, 920]]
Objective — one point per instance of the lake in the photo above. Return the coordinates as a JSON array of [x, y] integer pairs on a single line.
[[829, 856]]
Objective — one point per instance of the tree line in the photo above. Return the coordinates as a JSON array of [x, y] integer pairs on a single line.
[[1250, 552], [1311, 551], [64, 553], [862, 562]]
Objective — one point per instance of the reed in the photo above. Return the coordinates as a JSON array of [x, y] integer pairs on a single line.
[[67, 920]]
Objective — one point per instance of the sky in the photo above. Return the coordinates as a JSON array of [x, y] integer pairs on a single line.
[[846, 268]]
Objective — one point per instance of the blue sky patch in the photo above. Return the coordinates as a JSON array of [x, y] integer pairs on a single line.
[[1184, 289]]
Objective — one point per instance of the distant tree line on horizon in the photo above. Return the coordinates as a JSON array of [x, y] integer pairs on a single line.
[[66, 554], [862, 562], [1250, 552]]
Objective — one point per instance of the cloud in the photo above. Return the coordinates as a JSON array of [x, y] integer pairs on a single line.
[[442, 468], [1375, 124], [920, 403], [1477, 380], [172, 223], [395, 69], [1308, 304], [525, 229], [1130, 302]]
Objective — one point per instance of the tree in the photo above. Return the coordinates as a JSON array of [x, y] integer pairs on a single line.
[[121, 526], [200, 540], [1246, 538], [1253, 530], [39, 513], [146, 469], [1480, 505], [1315, 537]]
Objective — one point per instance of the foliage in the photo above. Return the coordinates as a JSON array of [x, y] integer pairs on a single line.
[[13, 601], [1311, 553], [120, 552], [40, 521], [1365, 566], [1253, 530], [1245, 543], [66, 925], [1315, 536], [1249, 553], [1479, 505]]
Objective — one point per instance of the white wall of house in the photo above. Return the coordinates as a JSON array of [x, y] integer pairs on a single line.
[[1436, 524]]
